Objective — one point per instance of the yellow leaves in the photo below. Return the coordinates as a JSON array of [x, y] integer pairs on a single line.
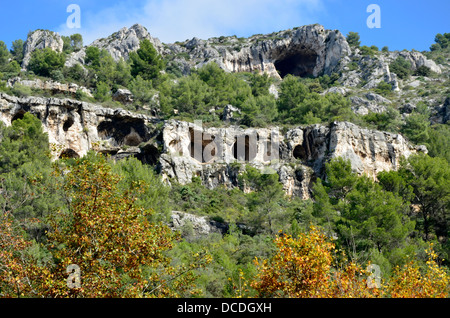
[[302, 267], [411, 281]]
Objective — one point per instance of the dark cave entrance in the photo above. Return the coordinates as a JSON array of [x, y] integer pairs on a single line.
[[69, 154], [299, 62], [68, 123], [129, 132], [19, 115], [149, 155], [300, 153]]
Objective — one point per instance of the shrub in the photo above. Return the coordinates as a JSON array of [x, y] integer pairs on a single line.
[[43, 62], [401, 67]]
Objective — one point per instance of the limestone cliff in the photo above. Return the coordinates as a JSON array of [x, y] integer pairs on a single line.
[[183, 150], [75, 127], [303, 51], [298, 155], [41, 39]]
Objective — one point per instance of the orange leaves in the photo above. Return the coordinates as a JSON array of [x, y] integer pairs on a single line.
[[106, 235], [302, 267], [411, 281], [17, 270]]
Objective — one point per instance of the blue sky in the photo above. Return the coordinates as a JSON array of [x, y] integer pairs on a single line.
[[405, 24]]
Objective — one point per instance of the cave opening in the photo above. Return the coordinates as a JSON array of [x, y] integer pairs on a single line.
[[124, 131], [68, 123], [299, 62], [19, 115], [69, 154], [149, 155], [300, 153]]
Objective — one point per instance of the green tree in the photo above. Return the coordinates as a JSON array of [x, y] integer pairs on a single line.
[[191, 95], [370, 219], [155, 194], [401, 67], [430, 180], [260, 84], [44, 61], [72, 43], [264, 200], [17, 50], [442, 41], [92, 56], [353, 39], [226, 88], [292, 93], [102, 92], [417, 125], [142, 90], [146, 61], [28, 186], [4, 54]]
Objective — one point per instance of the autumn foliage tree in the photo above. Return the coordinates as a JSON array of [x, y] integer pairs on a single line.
[[304, 267], [309, 266], [412, 281], [108, 236]]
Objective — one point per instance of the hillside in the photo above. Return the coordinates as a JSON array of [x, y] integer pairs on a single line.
[[233, 140]]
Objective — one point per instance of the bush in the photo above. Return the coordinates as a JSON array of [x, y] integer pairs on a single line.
[[43, 62], [103, 92], [353, 39], [384, 89], [423, 71], [401, 67]]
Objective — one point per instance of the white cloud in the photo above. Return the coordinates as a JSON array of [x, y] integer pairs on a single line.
[[177, 20]]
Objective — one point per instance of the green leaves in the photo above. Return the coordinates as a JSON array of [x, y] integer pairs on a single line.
[[300, 104], [44, 61], [146, 61], [401, 67]]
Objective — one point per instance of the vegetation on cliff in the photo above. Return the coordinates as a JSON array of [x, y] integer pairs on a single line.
[[111, 218]]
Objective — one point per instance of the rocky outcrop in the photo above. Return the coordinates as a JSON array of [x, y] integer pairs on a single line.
[[371, 102], [416, 59], [183, 150], [75, 127], [124, 41], [219, 155], [41, 39], [369, 70], [49, 85], [197, 225], [441, 114], [303, 51]]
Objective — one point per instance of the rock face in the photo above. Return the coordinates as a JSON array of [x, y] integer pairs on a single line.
[[416, 59], [373, 69], [219, 155], [124, 41], [76, 127], [200, 226], [52, 86], [41, 39], [183, 150], [304, 51]]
